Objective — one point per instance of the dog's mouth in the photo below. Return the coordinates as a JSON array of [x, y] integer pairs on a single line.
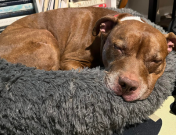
[[129, 96]]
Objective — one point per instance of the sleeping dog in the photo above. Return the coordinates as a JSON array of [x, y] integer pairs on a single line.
[[132, 52]]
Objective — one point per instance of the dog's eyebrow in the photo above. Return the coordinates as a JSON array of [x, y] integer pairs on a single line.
[[132, 18]]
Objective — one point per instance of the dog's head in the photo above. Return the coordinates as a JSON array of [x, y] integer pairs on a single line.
[[133, 54]]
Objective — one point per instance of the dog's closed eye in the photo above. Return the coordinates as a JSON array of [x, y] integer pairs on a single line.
[[153, 65], [157, 61], [117, 47]]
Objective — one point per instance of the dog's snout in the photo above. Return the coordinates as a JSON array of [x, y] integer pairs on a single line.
[[127, 84]]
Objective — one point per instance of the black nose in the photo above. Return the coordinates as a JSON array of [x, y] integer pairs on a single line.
[[127, 84]]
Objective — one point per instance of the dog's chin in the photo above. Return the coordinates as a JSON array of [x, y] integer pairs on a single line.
[[130, 98]]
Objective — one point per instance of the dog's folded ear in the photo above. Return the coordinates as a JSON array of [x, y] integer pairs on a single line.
[[106, 23], [171, 41]]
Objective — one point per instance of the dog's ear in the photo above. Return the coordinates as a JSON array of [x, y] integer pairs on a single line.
[[106, 23], [171, 41]]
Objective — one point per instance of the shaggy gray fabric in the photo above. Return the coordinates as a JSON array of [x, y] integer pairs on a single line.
[[70, 102]]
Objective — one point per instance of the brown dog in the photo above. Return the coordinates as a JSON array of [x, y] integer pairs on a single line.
[[132, 51]]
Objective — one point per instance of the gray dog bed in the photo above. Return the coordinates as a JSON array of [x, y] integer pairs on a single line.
[[70, 102]]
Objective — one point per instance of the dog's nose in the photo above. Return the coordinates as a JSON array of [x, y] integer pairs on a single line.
[[127, 84]]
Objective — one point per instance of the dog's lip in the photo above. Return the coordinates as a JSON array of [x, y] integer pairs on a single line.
[[118, 90], [170, 48], [129, 97]]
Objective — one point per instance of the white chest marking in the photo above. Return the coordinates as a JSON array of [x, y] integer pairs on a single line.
[[132, 18]]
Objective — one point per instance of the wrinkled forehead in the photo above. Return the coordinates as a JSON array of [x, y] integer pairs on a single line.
[[137, 33], [135, 26]]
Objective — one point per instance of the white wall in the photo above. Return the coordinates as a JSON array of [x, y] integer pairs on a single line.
[[164, 7], [140, 6]]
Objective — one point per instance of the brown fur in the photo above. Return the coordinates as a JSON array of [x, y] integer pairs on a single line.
[[58, 39]]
